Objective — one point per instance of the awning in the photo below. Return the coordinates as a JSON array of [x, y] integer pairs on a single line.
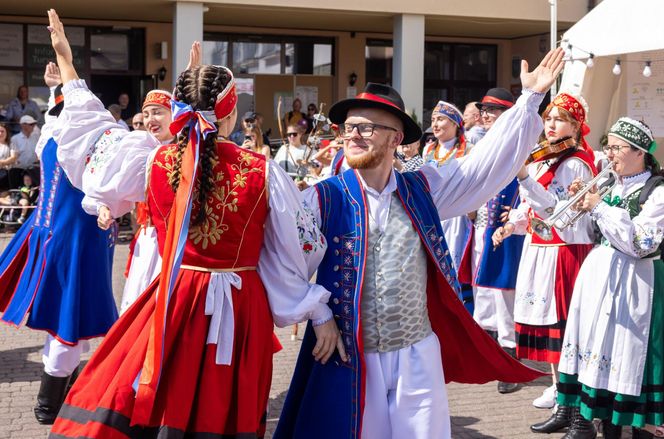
[[616, 27]]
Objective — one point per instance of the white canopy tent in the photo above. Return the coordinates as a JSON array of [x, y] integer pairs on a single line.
[[611, 31]]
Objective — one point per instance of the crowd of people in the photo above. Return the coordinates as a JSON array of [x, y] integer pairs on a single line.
[[447, 255]]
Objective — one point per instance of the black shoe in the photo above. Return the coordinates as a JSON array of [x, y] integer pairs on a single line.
[[581, 428], [50, 398], [561, 419], [508, 387], [637, 433], [610, 430]]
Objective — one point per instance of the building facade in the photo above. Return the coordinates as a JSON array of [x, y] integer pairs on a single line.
[[427, 49]]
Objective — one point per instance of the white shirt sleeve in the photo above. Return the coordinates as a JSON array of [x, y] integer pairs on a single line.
[[292, 250], [547, 201], [105, 161], [463, 185], [519, 217], [637, 237], [47, 130]]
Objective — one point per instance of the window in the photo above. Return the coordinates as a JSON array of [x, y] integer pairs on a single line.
[[109, 51], [456, 73], [249, 57], [215, 52], [264, 54]]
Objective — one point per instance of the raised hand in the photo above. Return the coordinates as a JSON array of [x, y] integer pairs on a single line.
[[542, 78], [194, 55], [61, 47], [58, 38], [52, 75]]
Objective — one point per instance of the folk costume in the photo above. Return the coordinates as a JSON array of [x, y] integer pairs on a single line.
[[144, 262], [458, 230], [611, 364], [193, 355], [548, 269], [394, 296], [57, 272], [494, 270]]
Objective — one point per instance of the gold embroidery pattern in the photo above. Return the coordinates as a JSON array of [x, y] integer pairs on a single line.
[[223, 198], [167, 163]]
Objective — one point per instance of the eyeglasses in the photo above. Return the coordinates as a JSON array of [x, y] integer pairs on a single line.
[[491, 111], [365, 129], [138, 124], [292, 134], [613, 148]]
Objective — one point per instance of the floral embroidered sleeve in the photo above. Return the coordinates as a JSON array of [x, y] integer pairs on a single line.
[[639, 236], [292, 250], [101, 158]]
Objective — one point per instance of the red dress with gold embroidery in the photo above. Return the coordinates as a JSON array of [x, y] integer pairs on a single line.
[[195, 394]]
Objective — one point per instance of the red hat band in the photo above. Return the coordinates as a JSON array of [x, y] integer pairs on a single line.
[[490, 100], [375, 98], [158, 97]]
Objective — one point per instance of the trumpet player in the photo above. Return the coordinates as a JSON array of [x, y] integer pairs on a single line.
[[611, 365], [548, 268]]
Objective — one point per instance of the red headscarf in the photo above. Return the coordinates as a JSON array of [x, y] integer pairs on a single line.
[[577, 107]]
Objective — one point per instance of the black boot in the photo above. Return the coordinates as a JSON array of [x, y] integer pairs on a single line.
[[50, 398], [508, 387], [637, 433], [581, 428], [610, 430], [561, 419]]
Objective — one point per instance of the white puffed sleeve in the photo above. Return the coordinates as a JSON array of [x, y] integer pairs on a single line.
[[637, 237], [463, 185], [547, 201], [292, 250], [104, 160]]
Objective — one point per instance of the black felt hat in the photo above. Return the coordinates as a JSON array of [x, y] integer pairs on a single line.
[[497, 97], [59, 101], [382, 97]]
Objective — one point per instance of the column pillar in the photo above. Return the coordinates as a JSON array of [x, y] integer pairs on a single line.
[[187, 28], [408, 61]]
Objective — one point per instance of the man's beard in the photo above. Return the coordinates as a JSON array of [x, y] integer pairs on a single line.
[[367, 161]]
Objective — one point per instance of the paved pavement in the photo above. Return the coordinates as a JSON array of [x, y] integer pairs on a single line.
[[477, 411]]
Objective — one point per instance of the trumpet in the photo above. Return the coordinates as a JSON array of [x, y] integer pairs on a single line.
[[544, 228]]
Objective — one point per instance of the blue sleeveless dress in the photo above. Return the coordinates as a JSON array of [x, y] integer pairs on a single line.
[[57, 268]]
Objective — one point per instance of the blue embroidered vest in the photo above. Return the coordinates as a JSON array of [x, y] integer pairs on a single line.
[[326, 401], [498, 266]]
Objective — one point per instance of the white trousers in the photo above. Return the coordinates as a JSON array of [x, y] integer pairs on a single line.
[[494, 308], [61, 360], [406, 395], [494, 311]]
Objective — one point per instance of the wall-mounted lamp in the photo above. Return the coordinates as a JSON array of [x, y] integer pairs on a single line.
[[352, 79], [161, 73]]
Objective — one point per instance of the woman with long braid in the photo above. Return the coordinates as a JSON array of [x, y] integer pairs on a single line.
[[193, 355]]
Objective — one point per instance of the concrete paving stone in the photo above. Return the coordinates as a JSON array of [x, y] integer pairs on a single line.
[[477, 411]]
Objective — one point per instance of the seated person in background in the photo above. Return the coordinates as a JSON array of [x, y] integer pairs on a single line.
[[29, 195], [137, 122], [253, 140], [23, 157], [290, 156], [5, 156], [116, 111], [21, 106]]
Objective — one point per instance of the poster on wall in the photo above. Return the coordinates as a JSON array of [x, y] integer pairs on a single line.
[[39, 48], [286, 102], [307, 95], [11, 45], [645, 96]]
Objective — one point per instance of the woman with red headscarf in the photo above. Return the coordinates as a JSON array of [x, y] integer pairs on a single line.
[[548, 268]]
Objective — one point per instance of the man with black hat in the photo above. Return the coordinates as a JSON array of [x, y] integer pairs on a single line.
[[495, 268], [392, 294]]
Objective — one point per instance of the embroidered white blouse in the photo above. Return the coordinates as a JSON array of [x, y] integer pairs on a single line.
[[109, 164]]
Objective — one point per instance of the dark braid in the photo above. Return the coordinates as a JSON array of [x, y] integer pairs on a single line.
[[199, 88]]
